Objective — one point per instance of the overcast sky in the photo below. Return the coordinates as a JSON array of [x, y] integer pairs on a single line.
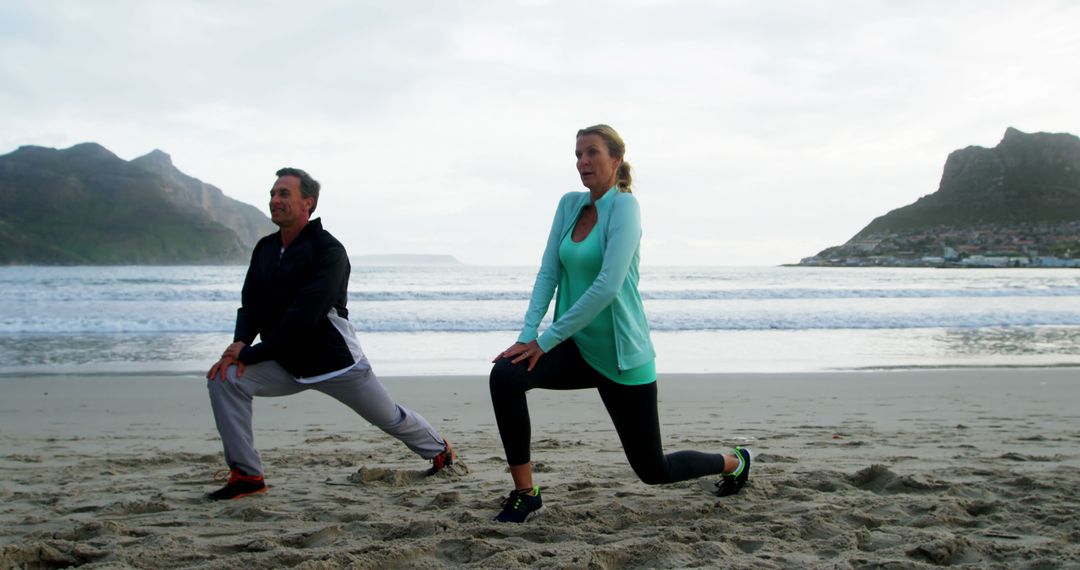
[[759, 132]]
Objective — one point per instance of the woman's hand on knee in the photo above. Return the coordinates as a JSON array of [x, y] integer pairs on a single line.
[[522, 352], [514, 350], [529, 353]]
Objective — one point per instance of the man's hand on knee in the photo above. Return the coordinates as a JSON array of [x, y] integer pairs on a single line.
[[222, 366]]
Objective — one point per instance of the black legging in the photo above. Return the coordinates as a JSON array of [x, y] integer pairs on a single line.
[[632, 410]]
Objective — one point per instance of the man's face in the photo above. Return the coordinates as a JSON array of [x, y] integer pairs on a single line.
[[288, 207]]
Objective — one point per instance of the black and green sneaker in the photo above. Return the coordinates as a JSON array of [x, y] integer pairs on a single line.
[[732, 483], [520, 506]]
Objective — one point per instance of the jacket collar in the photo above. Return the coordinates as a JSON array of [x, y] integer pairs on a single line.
[[310, 228], [602, 202], [608, 195]]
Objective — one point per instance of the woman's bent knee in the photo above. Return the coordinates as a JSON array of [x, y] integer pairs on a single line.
[[651, 477], [505, 377], [651, 472]]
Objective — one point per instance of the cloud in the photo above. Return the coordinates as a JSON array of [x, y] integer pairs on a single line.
[[760, 133]]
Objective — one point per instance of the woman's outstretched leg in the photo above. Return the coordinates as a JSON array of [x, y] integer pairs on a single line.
[[634, 413]]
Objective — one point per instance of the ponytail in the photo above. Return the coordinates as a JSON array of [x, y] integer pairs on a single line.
[[623, 178]]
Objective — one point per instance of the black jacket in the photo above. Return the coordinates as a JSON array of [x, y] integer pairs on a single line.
[[286, 299]]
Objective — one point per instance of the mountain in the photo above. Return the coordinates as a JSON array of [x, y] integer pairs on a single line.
[[1025, 178], [249, 222], [1020, 198], [85, 205]]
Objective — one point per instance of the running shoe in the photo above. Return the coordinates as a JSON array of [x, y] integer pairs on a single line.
[[732, 483], [239, 485], [442, 460], [520, 506]]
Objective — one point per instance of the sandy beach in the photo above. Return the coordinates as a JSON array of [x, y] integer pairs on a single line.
[[886, 469]]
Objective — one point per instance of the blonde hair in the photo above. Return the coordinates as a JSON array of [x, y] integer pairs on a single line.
[[616, 149]]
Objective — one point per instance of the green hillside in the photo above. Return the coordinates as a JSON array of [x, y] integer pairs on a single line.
[[85, 205]]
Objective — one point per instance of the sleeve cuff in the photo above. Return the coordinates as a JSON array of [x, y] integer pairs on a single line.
[[252, 354], [546, 342]]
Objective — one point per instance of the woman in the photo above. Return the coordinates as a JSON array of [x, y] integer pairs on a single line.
[[599, 337]]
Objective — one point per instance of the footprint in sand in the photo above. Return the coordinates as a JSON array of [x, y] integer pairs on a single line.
[[879, 479], [322, 537], [399, 477]]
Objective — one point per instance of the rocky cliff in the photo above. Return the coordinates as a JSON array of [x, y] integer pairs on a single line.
[[1025, 178], [1020, 198]]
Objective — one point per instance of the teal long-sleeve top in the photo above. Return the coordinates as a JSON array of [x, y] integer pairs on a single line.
[[618, 225]]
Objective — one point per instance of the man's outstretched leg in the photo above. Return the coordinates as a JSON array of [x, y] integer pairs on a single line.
[[361, 390], [231, 400]]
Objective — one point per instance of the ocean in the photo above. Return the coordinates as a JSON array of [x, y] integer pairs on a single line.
[[454, 319]]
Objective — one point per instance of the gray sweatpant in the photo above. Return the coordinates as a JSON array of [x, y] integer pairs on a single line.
[[358, 388]]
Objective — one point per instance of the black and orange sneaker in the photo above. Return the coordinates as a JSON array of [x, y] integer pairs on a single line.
[[442, 460], [239, 485]]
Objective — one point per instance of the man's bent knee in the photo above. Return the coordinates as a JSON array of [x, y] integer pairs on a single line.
[[217, 386]]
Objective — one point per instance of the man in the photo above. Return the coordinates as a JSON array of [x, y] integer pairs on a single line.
[[294, 299]]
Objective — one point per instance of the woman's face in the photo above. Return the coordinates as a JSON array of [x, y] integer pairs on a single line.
[[598, 170]]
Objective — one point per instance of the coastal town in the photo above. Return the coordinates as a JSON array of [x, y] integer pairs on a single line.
[[1033, 244]]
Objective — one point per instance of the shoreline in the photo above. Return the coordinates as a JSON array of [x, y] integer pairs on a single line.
[[708, 352], [661, 375]]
